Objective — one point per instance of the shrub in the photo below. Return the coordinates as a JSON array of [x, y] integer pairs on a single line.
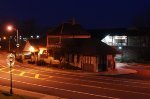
[[31, 62], [41, 63], [19, 60], [71, 67]]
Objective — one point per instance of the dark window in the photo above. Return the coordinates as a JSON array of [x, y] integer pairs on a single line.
[[78, 58], [72, 58]]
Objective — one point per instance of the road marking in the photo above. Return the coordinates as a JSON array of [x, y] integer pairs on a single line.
[[133, 81], [79, 92], [50, 76], [99, 82], [37, 76], [11, 71], [25, 76], [91, 81], [42, 76], [97, 87], [78, 75], [2, 68], [99, 78], [22, 73], [2, 65], [84, 85]]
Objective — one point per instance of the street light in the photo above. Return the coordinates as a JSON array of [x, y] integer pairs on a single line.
[[10, 61], [10, 28]]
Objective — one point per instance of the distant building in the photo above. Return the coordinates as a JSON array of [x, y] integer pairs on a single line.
[[133, 42]]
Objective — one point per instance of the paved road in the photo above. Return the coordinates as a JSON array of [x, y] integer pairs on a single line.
[[143, 72], [72, 85]]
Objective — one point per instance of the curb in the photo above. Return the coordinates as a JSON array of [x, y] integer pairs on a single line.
[[120, 71]]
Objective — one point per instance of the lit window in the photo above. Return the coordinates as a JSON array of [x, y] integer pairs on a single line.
[[115, 40], [4, 38], [120, 47], [25, 39], [31, 49], [37, 36]]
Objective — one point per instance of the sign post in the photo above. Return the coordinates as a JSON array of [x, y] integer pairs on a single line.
[[10, 61]]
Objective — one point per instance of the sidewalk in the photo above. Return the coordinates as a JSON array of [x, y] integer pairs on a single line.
[[28, 93], [119, 70]]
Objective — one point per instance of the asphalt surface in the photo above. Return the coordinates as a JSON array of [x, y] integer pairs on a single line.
[[143, 72], [72, 85]]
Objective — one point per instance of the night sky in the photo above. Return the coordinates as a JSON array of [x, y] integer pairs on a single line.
[[89, 13]]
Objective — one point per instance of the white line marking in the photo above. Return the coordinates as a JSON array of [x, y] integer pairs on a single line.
[[37, 76], [50, 76], [100, 77], [97, 87], [99, 81], [62, 89], [22, 73], [11, 71]]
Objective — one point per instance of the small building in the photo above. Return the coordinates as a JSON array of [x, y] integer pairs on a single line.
[[88, 54], [34, 50], [76, 47]]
